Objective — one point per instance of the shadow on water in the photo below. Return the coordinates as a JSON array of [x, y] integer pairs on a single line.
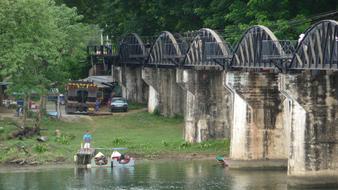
[[147, 175]]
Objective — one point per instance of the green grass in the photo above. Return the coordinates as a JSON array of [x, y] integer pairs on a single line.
[[144, 134], [135, 106]]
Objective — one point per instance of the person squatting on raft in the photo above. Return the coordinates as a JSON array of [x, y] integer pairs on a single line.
[[87, 138]]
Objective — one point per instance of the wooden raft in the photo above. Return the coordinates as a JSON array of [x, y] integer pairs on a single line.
[[84, 157]]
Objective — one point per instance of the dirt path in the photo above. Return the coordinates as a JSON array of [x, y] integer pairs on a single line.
[[130, 112], [7, 113]]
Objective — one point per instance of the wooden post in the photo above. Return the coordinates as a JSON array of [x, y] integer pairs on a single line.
[[1, 95], [58, 106]]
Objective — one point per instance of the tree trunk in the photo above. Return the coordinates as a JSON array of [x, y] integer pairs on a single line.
[[25, 110], [41, 111], [44, 106], [1, 95]]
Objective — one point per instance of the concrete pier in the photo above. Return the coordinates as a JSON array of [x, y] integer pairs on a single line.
[[314, 125], [165, 95], [258, 132], [134, 89], [208, 105]]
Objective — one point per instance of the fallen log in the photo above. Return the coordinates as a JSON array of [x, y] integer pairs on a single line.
[[26, 132]]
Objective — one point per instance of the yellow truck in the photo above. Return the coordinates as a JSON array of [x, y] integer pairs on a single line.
[[81, 97]]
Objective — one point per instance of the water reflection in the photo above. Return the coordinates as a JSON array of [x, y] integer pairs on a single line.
[[147, 175], [254, 180], [178, 175], [38, 179]]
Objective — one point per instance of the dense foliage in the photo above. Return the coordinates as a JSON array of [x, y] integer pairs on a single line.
[[286, 18], [41, 44], [41, 39], [47, 39]]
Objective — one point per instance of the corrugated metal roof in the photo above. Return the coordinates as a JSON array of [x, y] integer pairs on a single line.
[[4, 83], [98, 80]]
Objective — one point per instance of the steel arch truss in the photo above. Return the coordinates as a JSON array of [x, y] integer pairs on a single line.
[[319, 48], [167, 51], [258, 48], [207, 50], [132, 50]]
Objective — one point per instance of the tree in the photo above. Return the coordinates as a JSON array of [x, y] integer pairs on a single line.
[[43, 43], [231, 17]]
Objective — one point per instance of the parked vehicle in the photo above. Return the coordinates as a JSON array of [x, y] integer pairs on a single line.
[[81, 97], [118, 104]]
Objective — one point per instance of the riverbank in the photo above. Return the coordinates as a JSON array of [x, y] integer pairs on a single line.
[[147, 136]]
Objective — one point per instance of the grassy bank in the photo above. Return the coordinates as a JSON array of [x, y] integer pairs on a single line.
[[146, 135]]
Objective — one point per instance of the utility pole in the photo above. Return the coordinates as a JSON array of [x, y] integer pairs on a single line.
[[101, 36]]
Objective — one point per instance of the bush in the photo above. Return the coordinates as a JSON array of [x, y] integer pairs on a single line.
[[164, 143], [64, 139], [205, 145], [185, 145], [40, 148], [119, 141], [157, 112], [31, 114]]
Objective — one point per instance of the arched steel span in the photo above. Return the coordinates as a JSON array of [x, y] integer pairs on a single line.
[[132, 50], [207, 49], [167, 51], [319, 48], [257, 48]]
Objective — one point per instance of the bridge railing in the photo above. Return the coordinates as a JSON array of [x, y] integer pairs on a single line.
[[326, 59], [101, 50], [278, 50], [174, 50], [132, 51], [217, 50]]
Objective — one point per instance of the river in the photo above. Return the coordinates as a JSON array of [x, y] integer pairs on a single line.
[[145, 175]]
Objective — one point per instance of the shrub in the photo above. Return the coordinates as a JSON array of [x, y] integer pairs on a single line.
[[205, 145], [164, 143], [31, 114], [185, 145], [119, 141], [41, 148], [157, 112], [64, 139]]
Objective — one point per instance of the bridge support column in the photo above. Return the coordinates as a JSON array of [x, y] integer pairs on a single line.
[[313, 153], [134, 89], [207, 105], [257, 130], [165, 95]]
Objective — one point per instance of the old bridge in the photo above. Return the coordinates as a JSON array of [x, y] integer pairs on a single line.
[[274, 99]]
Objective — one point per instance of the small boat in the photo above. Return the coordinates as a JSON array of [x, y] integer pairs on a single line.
[[123, 163], [121, 160], [115, 160]]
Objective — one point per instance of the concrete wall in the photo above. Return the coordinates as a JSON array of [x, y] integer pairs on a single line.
[[314, 123], [208, 105], [134, 89], [257, 130], [165, 95]]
